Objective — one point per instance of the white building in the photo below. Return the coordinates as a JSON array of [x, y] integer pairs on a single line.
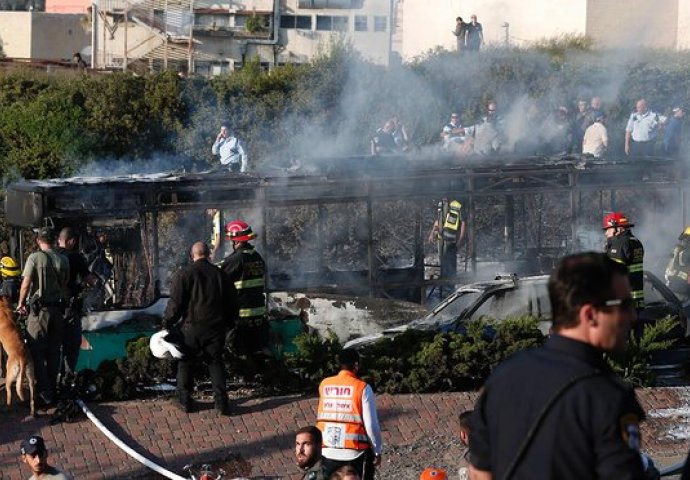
[[212, 38]]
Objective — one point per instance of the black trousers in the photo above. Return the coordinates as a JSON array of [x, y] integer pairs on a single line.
[[199, 347], [364, 464], [641, 149], [71, 341]]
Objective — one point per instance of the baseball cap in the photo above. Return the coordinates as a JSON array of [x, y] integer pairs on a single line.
[[32, 445]]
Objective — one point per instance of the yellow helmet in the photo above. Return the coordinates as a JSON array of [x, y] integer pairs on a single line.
[[686, 232], [455, 205], [9, 267]]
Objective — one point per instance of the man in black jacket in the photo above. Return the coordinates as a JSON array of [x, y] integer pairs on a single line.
[[623, 247], [202, 308]]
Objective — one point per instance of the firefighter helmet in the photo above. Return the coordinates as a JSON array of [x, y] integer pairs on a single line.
[[9, 267], [163, 346], [686, 233], [455, 205], [433, 474], [239, 231], [616, 219]]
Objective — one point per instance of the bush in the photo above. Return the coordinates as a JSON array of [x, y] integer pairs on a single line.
[[632, 364]]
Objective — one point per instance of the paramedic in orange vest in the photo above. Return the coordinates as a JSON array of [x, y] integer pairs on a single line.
[[348, 420]]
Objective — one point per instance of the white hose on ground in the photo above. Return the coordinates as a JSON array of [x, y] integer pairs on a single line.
[[123, 446]]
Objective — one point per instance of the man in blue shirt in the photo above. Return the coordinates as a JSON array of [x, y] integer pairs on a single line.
[[673, 131]]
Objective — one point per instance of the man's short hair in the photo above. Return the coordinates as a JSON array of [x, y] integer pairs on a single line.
[[315, 433], [348, 358], [464, 419], [580, 279], [342, 471], [45, 234], [67, 233]]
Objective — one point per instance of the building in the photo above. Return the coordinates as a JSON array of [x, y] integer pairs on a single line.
[[34, 35], [209, 38]]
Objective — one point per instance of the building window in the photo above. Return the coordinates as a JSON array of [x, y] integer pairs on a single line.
[[328, 22], [325, 4], [303, 22], [380, 23], [361, 23], [240, 20], [340, 23], [324, 22]]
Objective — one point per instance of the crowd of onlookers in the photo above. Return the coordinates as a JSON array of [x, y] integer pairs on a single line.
[[526, 129]]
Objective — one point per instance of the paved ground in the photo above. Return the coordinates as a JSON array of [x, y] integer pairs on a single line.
[[419, 430]]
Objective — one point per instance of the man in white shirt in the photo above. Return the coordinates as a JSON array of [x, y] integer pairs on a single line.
[[348, 420], [230, 150], [595, 140], [640, 133]]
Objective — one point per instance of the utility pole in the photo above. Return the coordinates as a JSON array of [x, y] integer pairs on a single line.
[[506, 39], [94, 34]]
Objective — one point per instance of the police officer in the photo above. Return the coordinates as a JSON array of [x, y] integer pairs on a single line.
[[202, 308], [558, 411], [448, 231], [247, 269], [678, 267], [623, 247]]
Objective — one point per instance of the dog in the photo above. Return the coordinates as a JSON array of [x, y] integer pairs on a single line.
[[19, 365]]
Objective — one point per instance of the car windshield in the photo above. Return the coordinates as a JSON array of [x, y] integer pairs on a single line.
[[449, 309]]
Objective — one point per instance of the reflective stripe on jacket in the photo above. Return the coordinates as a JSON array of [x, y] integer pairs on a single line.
[[451, 223], [339, 416], [247, 270]]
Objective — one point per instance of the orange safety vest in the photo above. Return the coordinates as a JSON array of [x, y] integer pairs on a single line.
[[339, 416]]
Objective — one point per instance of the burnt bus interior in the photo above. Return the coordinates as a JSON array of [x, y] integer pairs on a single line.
[[359, 230]]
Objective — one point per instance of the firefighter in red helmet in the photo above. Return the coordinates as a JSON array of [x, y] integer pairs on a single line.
[[247, 270], [623, 247]]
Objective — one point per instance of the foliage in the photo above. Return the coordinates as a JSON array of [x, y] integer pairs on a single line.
[[420, 361], [121, 379], [316, 357], [255, 23], [632, 364]]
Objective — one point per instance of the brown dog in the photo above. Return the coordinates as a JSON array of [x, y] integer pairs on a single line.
[[20, 365]]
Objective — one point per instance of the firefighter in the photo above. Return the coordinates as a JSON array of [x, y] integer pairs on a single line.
[[448, 231], [247, 270], [679, 265], [623, 247], [11, 276]]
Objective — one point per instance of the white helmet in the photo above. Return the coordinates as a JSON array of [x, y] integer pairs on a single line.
[[162, 347]]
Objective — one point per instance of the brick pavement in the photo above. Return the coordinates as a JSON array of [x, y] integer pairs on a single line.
[[260, 436]]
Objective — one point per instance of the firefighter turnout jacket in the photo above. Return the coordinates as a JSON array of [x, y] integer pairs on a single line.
[[452, 222], [247, 270], [678, 267], [625, 248], [340, 414]]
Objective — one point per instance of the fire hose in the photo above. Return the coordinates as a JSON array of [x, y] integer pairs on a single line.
[[124, 447]]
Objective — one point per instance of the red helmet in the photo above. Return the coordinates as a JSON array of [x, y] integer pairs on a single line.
[[616, 219], [239, 231], [433, 474]]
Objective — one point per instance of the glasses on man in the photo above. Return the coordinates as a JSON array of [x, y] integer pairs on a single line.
[[622, 303]]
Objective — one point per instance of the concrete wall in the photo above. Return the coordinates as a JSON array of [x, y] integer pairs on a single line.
[[57, 36], [630, 23], [15, 34], [429, 24]]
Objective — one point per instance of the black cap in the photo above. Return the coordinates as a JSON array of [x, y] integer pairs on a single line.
[[32, 445]]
